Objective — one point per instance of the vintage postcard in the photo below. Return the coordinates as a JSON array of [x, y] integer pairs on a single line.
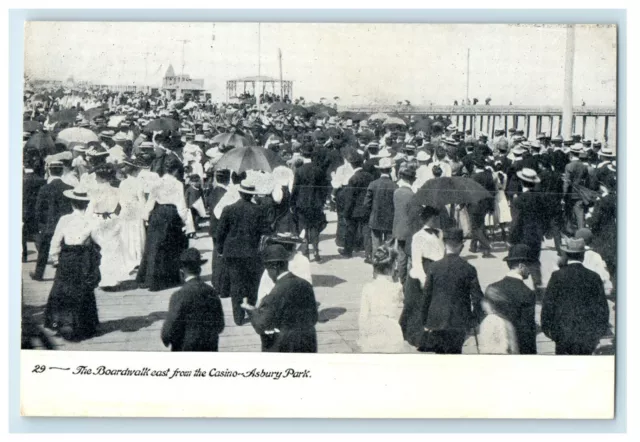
[[319, 220]]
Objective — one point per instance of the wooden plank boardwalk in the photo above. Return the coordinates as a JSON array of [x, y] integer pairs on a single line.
[[131, 320]]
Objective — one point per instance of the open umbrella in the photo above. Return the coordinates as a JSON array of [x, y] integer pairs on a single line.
[[423, 125], [92, 113], [280, 106], [240, 159], [439, 192], [64, 116], [380, 116], [116, 120], [76, 135], [322, 110], [299, 111], [231, 139], [31, 126], [41, 141], [394, 121], [163, 124]]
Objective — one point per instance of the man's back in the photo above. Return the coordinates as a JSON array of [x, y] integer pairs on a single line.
[[308, 187], [239, 230], [401, 198], [575, 307], [51, 204], [453, 295], [195, 318], [379, 199], [354, 194], [516, 302]]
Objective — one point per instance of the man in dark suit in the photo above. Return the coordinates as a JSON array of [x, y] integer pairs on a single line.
[[51, 205], [219, 276], [307, 200], [31, 184], [287, 316], [195, 317], [378, 202], [355, 212], [514, 301], [237, 239], [576, 175], [575, 314], [478, 211], [453, 298], [528, 225], [401, 227]]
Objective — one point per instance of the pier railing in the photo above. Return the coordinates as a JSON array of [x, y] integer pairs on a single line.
[[589, 121]]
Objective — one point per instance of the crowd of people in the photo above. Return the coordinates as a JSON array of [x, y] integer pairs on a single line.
[[123, 203]]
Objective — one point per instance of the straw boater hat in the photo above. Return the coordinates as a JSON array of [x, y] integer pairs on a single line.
[[577, 148], [77, 193], [528, 175], [120, 138], [422, 156], [384, 163], [452, 128], [607, 152], [518, 150], [573, 245], [248, 186]]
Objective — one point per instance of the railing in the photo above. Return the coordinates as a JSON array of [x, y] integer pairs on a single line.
[[589, 121]]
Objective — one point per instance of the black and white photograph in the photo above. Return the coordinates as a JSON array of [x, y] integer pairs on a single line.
[[320, 188]]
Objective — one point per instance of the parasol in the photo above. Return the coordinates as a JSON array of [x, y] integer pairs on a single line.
[[240, 159], [280, 106], [423, 125], [394, 121], [92, 113], [76, 135], [116, 120], [322, 110], [299, 111], [64, 116], [230, 139], [380, 116], [41, 141], [31, 126], [439, 192], [162, 124]]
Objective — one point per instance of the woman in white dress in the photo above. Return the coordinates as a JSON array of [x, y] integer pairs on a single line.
[[502, 211], [132, 202], [105, 207], [380, 307]]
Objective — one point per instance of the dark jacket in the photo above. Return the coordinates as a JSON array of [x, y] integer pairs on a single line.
[[239, 230], [379, 203], [31, 185], [51, 205], [215, 196], [485, 179], [528, 224], [453, 295], [291, 308], [574, 309], [576, 173], [354, 194], [401, 225], [309, 188], [516, 303], [195, 318]]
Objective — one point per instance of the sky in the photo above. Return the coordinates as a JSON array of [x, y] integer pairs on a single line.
[[360, 63]]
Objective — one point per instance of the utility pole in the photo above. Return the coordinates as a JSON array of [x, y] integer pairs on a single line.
[[468, 56], [257, 92], [184, 42], [567, 107], [281, 85], [146, 69]]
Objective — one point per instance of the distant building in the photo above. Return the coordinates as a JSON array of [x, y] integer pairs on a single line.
[[181, 84]]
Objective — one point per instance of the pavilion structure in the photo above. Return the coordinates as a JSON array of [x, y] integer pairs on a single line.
[[257, 85]]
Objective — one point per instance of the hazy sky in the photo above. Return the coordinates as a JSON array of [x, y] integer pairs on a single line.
[[357, 62]]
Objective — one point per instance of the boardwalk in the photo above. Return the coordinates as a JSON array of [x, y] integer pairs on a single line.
[[132, 319]]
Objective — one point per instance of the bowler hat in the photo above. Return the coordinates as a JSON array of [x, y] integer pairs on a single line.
[[453, 234], [275, 253], [585, 234], [573, 245], [519, 252], [191, 257], [407, 172]]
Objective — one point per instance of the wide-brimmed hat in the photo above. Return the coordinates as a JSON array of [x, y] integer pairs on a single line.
[[79, 147], [452, 128], [423, 156], [106, 134], [557, 139], [286, 238], [77, 193], [498, 132], [384, 163], [248, 186], [191, 257], [542, 136], [410, 147], [450, 142], [199, 138], [577, 148], [607, 152], [518, 150], [147, 145], [585, 234], [535, 145], [275, 253], [528, 175], [384, 153], [97, 151], [373, 146], [120, 137], [573, 245], [519, 252]]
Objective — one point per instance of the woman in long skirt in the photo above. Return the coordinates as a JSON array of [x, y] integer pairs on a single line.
[[132, 202], [71, 308], [166, 232], [501, 211], [380, 307], [426, 247]]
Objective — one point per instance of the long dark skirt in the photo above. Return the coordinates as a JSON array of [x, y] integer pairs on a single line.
[[71, 308], [412, 317], [219, 275], [160, 266]]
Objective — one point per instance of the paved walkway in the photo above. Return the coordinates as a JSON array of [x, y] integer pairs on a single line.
[[132, 319]]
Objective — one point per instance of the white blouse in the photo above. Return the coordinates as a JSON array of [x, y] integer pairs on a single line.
[[74, 229], [170, 191], [425, 245]]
